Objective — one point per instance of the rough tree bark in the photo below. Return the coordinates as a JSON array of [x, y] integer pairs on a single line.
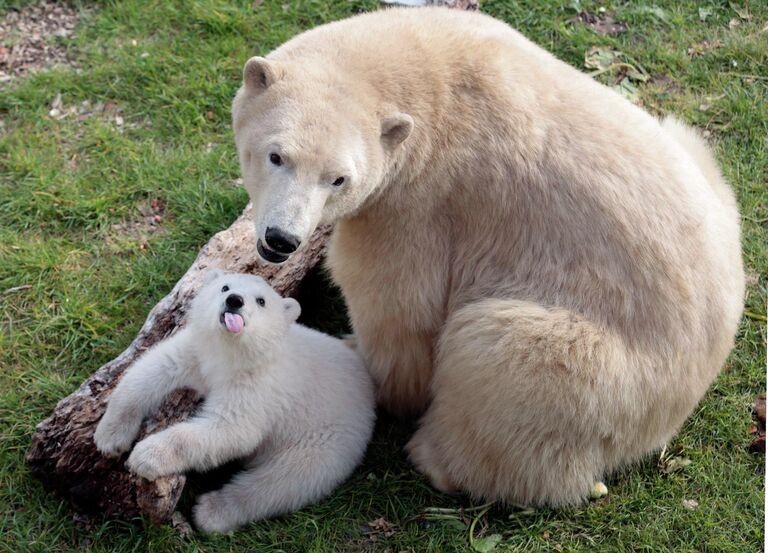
[[63, 454]]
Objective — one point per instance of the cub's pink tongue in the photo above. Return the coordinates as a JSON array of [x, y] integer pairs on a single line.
[[233, 322]]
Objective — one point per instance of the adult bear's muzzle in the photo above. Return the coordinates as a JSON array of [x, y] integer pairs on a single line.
[[270, 255]]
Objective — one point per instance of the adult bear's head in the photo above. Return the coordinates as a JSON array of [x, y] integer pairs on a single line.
[[314, 147]]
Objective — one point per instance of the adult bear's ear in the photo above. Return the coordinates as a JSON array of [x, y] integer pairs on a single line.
[[395, 128], [292, 309], [260, 73]]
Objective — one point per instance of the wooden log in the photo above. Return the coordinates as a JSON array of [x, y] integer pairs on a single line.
[[63, 455]]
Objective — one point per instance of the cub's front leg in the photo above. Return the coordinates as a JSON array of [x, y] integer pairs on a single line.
[[169, 365], [215, 436]]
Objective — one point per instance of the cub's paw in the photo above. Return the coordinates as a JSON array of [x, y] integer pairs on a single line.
[[213, 513], [151, 458], [114, 437]]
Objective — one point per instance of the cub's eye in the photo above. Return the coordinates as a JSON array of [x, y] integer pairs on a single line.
[[261, 302], [339, 181], [225, 288], [275, 159]]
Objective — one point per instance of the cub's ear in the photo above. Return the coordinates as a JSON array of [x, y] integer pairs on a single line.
[[395, 129], [260, 73], [292, 309], [212, 275]]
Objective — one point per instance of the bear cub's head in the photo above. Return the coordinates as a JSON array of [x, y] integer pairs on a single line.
[[241, 307]]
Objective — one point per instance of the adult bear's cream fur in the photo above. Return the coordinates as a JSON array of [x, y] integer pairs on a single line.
[[548, 270]]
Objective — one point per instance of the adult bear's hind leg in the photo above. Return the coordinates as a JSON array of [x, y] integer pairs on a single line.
[[528, 404]]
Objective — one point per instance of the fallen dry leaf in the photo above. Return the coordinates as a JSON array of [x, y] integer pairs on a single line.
[[603, 24], [607, 60], [668, 464], [759, 408], [704, 13], [665, 83], [486, 544], [758, 429], [627, 88], [675, 464], [601, 58], [379, 527], [700, 48], [742, 12]]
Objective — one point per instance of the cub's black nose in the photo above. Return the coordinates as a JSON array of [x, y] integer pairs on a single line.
[[234, 301], [280, 241]]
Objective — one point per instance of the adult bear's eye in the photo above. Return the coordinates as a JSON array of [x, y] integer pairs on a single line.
[[261, 302], [339, 181], [275, 159], [225, 288]]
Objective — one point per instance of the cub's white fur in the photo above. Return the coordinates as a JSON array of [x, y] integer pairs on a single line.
[[298, 404]]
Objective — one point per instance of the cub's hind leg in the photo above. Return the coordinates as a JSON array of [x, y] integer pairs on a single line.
[[278, 482]]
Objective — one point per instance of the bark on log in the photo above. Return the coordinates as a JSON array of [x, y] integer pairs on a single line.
[[63, 454]]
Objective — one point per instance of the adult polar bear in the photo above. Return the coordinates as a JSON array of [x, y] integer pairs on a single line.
[[545, 268]]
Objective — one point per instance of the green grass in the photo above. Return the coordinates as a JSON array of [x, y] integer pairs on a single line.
[[172, 68]]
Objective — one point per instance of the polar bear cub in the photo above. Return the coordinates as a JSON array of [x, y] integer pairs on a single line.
[[297, 404]]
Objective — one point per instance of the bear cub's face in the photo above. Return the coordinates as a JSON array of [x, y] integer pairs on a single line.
[[312, 149], [242, 307]]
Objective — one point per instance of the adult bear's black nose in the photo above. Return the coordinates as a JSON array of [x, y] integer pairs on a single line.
[[234, 301], [280, 241]]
